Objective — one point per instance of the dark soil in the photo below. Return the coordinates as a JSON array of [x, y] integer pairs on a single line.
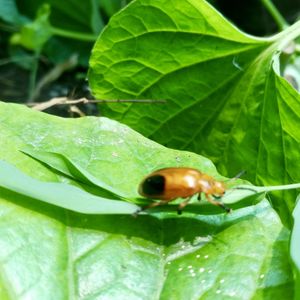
[[14, 82]]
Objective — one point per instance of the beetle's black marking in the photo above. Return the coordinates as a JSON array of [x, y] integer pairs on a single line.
[[154, 185]]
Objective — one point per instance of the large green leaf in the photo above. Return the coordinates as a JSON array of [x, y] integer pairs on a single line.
[[47, 252], [225, 96]]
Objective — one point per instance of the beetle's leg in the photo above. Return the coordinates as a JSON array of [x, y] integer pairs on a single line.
[[182, 205], [199, 197], [218, 203], [151, 205]]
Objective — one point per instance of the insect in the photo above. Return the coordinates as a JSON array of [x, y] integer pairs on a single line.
[[171, 183]]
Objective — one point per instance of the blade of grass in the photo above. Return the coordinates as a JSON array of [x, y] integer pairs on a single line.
[[60, 194]]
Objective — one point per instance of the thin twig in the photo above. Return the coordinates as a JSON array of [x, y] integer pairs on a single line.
[[75, 110], [65, 101], [54, 74]]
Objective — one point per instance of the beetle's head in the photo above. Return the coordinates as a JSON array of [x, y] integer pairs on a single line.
[[218, 188]]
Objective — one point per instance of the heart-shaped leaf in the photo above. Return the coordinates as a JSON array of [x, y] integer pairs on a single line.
[[225, 95]]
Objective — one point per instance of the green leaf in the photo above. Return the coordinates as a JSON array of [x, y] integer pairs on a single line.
[[9, 12], [70, 168], [295, 240], [51, 253], [35, 34], [242, 196], [220, 82], [294, 247], [235, 192], [102, 147], [203, 274]]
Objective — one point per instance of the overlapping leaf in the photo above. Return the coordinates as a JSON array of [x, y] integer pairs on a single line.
[[225, 96]]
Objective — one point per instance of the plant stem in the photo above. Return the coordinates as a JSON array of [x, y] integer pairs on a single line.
[[74, 35], [277, 187], [33, 73], [278, 18]]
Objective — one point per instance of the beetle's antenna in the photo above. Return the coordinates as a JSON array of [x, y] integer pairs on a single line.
[[241, 187], [238, 175]]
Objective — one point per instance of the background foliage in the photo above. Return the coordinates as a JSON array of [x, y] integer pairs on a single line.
[[231, 97], [74, 28]]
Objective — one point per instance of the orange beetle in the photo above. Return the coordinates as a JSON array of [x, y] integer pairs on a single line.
[[171, 183]]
